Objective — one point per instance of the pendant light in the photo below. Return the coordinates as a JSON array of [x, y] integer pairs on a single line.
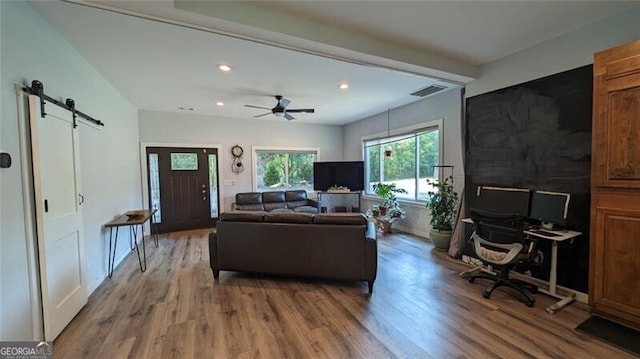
[[387, 152]]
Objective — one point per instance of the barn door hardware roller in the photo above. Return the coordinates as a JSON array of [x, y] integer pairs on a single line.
[[37, 88]]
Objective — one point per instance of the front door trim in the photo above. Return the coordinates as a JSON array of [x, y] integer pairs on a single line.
[[145, 174]]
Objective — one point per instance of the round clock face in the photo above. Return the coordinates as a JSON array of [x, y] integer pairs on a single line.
[[236, 151]]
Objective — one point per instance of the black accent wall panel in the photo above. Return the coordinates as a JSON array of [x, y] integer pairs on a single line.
[[537, 135]]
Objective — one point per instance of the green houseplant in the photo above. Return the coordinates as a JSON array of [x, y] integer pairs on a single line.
[[387, 191], [442, 203]]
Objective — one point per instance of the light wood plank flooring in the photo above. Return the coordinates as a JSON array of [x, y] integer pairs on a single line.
[[420, 308]]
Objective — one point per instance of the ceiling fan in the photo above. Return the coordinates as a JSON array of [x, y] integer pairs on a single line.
[[281, 109]]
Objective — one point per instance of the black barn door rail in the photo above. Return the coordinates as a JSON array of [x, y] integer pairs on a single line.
[[37, 88]]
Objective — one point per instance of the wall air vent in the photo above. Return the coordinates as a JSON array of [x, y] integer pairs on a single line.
[[424, 92]]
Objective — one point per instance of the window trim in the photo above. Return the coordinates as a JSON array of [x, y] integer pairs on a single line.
[[398, 132], [254, 158]]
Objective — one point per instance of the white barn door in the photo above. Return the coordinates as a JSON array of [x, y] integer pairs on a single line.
[[56, 174]]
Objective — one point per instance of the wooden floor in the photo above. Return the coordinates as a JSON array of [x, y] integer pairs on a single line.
[[420, 308]]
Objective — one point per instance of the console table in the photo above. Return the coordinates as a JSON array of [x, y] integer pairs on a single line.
[[133, 222]]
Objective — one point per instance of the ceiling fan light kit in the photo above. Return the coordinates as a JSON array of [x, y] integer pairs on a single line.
[[281, 110]]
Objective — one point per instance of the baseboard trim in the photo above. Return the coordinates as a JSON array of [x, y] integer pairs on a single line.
[[95, 283], [411, 230]]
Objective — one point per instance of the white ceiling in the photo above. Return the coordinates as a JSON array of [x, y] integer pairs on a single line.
[[161, 67]]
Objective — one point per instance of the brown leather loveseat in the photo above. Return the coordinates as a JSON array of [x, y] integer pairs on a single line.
[[279, 201], [331, 246]]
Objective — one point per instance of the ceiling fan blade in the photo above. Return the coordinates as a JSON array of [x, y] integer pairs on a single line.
[[288, 117], [264, 114], [264, 108], [284, 102], [302, 110]]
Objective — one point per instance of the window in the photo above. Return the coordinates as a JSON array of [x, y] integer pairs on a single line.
[[410, 164], [278, 170], [184, 161]]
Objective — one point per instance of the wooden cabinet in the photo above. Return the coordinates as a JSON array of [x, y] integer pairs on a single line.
[[614, 278]]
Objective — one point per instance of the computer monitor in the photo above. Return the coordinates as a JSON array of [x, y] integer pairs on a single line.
[[502, 200], [550, 208]]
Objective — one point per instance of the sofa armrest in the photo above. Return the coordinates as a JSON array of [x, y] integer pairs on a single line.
[[311, 202], [371, 254]]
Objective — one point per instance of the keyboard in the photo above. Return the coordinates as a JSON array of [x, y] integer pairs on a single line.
[[545, 233]]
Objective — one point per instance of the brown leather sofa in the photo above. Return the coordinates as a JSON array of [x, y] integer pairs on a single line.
[[331, 246], [279, 201]]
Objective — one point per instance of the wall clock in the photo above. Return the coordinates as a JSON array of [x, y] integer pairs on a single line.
[[237, 166], [237, 151]]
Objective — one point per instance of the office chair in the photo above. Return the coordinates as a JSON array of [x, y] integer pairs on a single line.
[[499, 241]]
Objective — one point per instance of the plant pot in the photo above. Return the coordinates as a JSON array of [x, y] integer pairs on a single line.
[[383, 211], [440, 239]]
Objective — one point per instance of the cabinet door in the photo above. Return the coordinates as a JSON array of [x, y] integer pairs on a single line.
[[615, 256], [616, 121]]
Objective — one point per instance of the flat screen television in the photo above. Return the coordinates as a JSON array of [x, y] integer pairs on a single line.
[[348, 174]]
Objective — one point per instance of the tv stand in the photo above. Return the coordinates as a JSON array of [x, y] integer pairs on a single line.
[[326, 205]]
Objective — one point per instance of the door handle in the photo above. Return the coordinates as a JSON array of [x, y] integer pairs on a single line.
[[81, 199]]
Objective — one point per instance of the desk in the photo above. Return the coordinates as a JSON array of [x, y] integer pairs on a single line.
[[552, 291], [133, 223]]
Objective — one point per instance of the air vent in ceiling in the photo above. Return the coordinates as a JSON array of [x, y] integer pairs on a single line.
[[424, 92]]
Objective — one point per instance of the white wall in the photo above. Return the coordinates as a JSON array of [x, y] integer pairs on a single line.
[[444, 106], [31, 49], [177, 128], [557, 55]]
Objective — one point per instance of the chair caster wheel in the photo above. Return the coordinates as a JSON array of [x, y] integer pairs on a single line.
[[471, 279], [486, 295], [530, 303]]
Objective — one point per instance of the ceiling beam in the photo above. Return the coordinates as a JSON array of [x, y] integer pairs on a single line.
[[252, 23]]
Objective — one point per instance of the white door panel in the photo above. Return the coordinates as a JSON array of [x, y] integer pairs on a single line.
[[59, 224], [58, 163]]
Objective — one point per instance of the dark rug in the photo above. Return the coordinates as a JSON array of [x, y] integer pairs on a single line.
[[613, 333]]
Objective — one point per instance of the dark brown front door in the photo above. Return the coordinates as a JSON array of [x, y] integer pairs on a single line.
[[183, 187]]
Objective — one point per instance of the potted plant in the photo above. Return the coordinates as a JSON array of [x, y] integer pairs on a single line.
[[442, 203], [387, 192]]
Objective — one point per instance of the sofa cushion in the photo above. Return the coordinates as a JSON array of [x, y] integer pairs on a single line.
[[273, 200], [249, 198], [279, 217], [297, 195], [242, 216], [306, 209], [340, 218], [282, 210]]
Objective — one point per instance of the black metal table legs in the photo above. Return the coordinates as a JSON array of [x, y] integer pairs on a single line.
[[133, 244]]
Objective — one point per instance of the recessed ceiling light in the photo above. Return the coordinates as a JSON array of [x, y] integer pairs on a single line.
[[343, 86], [225, 68], [220, 103]]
